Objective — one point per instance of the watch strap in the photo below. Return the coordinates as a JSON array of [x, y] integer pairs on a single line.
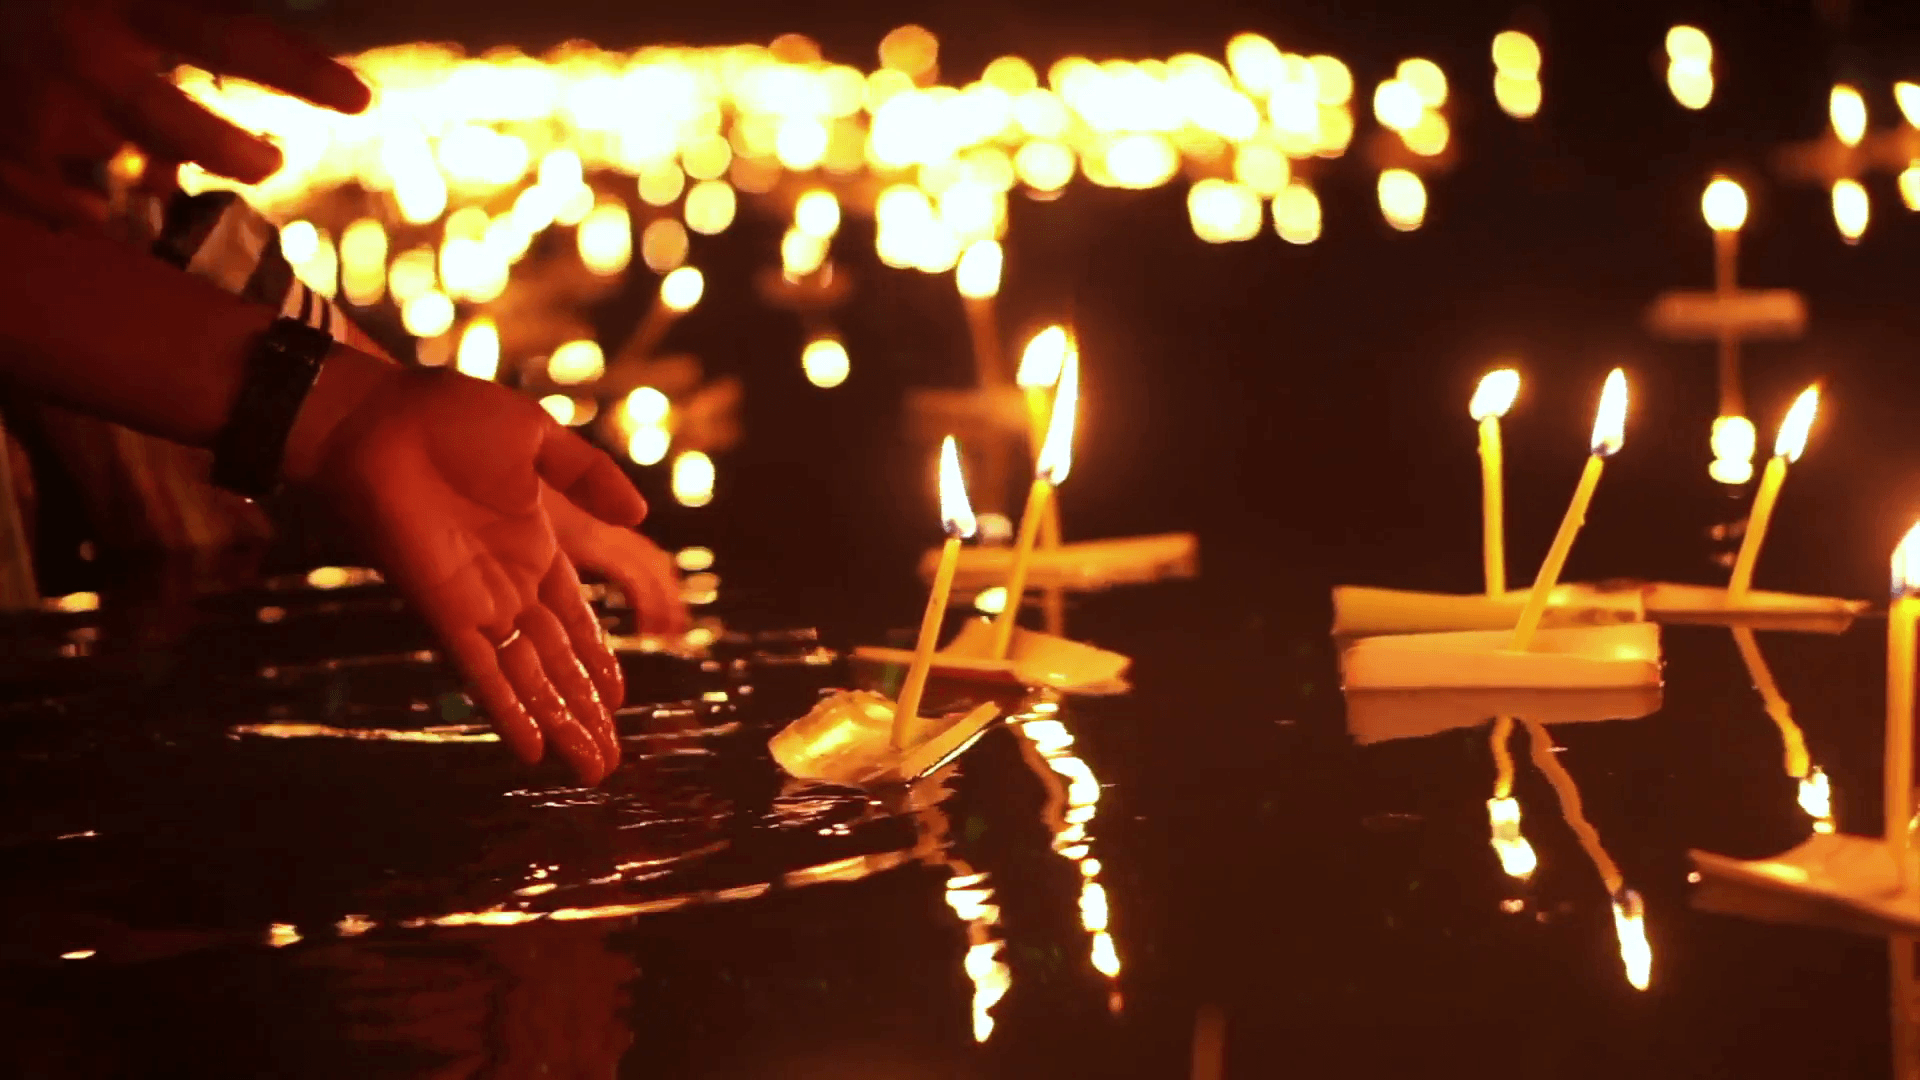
[[280, 372]]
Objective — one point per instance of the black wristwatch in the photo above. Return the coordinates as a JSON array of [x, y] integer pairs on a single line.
[[281, 371]]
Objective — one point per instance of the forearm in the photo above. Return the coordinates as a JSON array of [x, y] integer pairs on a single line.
[[111, 332]]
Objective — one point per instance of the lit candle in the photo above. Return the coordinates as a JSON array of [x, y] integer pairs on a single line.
[[1787, 447], [1724, 204], [1056, 457], [1490, 402], [1609, 432], [956, 516], [1901, 616], [1040, 366], [977, 276]]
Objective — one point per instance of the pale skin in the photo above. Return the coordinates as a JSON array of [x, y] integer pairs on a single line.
[[468, 496]]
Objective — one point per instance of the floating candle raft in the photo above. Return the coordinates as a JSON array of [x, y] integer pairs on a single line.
[[1033, 659], [1582, 658], [1359, 611], [848, 738], [1375, 716], [1085, 566], [1831, 879]]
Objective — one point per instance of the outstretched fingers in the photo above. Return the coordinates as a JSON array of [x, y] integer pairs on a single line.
[[560, 592], [587, 476], [520, 659], [474, 656]]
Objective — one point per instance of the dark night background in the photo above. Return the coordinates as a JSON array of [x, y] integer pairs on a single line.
[[1303, 409]]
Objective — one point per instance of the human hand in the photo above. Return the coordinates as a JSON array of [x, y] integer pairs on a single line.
[[643, 571], [441, 476], [84, 77]]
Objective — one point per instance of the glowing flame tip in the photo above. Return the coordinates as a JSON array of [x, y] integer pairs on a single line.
[[1610, 421], [1906, 563], [1056, 453], [956, 513], [1045, 357], [1495, 394], [1792, 440]]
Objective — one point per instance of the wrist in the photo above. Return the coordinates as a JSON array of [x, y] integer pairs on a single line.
[[347, 381]]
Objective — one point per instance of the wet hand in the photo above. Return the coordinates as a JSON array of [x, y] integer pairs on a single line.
[[441, 477]]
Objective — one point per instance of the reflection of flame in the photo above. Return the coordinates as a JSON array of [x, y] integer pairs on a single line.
[[1724, 204], [1069, 810], [1792, 439], [1056, 454], [956, 514], [1045, 358], [1516, 855], [1610, 421], [1629, 922], [1816, 798], [1495, 394]]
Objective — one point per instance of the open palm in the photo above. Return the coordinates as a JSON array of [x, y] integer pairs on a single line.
[[440, 476]]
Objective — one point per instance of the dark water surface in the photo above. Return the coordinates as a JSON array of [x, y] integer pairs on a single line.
[[258, 894]]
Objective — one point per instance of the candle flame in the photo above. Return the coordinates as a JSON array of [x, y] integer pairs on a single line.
[[1724, 204], [1630, 924], [1907, 96], [1495, 394], [1056, 453], [1044, 358], [956, 513], [1906, 563], [1792, 440], [1850, 209], [1516, 855], [1848, 111], [681, 289], [1733, 441], [1816, 798], [978, 274], [1610, 421]]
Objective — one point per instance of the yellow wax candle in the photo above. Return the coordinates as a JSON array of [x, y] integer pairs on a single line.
[[1787, 448], [1609, 431], [1040, 367], [978, 278], [1055, 459], [957, 517], [1491, 400], [1724, 205], [1901, 617]]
